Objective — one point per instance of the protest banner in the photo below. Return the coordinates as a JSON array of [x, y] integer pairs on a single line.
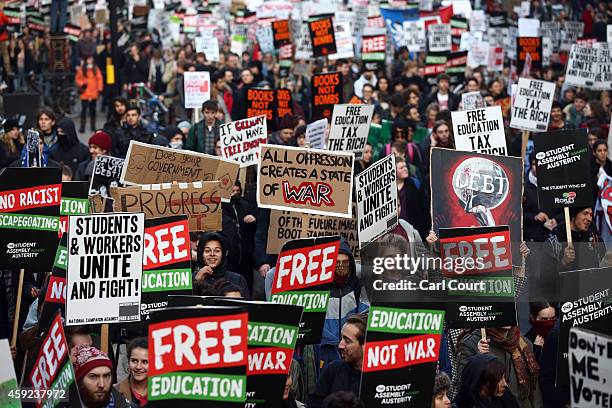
[[480, 130], [590, 368], [280, 33], [106, 173], [582, 66], [148, 164], [199, 201], [570, 32], [265, 38], [473, 189], [350, 126], [315, 133], [304, 272], [414, 35], [377, 203], [305, 180], [9, 388], [55, 295], [563, 166], [456, 64], [240, 139], [197, 88], [52, 374], [30, 201], [400, 354], [273, 333], [532, 47], [74, 201], [551, 30], [603, 72], [472, 100], [585, 300], [198, 354], [166, 262], [209, 45], [439, 37], [322, 37], [288, 225], [477, 270], [104, 268], [459, 25], [326, 92], [303, 48], [435, 64], [284, 103], [262, 102], [373, 50], [532, 103]]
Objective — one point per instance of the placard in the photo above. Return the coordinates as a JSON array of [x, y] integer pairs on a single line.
[[240, 139], [563, 162], [281, 33], [148, 164], [262, 102], [472, 100], [344, 41], [322, 37], [197, 88], [532, 104], [326, 92], [74, 201], [582, 66], [310, 181], [265, 38], [284, 103], [439, 37], [30, 201], [373, 50], [104, 268], [315, 133], [478, 280], [529, 47], [480, 130], [571, 31], [414, 35], [304, 272], [209, 45], [377, 203], [199, 201], [350, 126], [106, 174]]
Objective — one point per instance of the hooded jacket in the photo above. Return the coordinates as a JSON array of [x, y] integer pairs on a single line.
[[220, 272], [68, 149], [125, 134]]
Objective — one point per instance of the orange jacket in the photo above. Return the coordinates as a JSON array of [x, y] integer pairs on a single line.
[[91, 80]]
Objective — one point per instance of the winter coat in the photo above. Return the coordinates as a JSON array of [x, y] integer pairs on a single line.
[[90, 81], [337, 376], [68, 149], [125, 134]]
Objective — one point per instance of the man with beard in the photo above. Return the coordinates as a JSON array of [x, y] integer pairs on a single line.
[[93, 372]]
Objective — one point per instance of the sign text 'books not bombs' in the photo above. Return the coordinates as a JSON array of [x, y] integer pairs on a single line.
[[304, 272], [166, 262], [305, 180], [75, 201], [377, 202], [273, 333], [585, 301], [30, 201], [529, 47], [261, 102], [401, 350], [104, 268], [326, 92], [106, 174], [284, 103], [281, 33], [532, 104], [197, 89], [563, 164], [480, 130], [240, 139], [590, 368], [477, 269], [52, 370], [350, 126], [199, 201], [198, 354], [147, 164], [322, 37]]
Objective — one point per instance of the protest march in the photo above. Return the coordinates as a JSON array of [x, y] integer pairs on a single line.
[[306, 203]]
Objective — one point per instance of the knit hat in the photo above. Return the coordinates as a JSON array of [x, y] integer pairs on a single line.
[[9, 124], [101, 139], [286, 122], [87, 358], [574, 211], [184, 125]]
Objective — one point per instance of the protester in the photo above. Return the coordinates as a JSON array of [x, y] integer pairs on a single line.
[[442, 386], [68, 149], [89, 81], [100, 144], [134, 387], [203, 135], [542, 316], [12, 141], [132, 129]]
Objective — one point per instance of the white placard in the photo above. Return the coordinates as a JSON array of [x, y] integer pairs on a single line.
[[344, 41], [209, 45], [528, 27], [240, 139], [350, 126], [414, 35], [197, 88], [439, 37], [480, 130], [315, 133], [532, 103], [472, 100], [478, 21]]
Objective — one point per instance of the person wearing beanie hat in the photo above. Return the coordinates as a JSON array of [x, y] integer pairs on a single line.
[[100, 143], [94, 376], [284, 135]]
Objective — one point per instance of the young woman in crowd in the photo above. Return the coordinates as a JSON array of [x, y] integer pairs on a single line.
[[134, 388]]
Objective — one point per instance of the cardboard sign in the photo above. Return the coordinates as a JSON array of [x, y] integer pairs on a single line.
[[350, 126], [585, 301], [473, 189], [472, 100], [326, 92], [148, 164], [377, 201], [590, 367], [284, 103], [74, 201], [477, 270], [199, 201], [104, 268], [532, 103], [563, 162], [261, 102], [197, 88], [166, 262], [480, 130], [310, 181], [240, 139], [273, 333], [304, 272], [315, 133], [281, 33], [198, 354], [29, 217], [439, 37], [106, 173], [322, 37], [401, 350], [531, 46], [52, 370], [8, 377], [55, 295], [209, 46]]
